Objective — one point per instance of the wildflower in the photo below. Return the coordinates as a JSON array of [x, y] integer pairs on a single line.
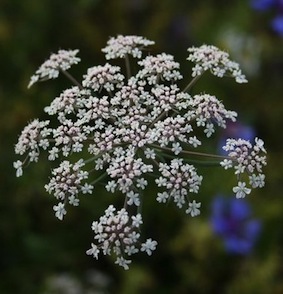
[[193, 209], [117, 232], [277, 24], [262, 4], [66, 182], [99, 77], [60, 210], [18, 166], [241, 190], [245, 158], [232, 220], [149, 246], [50, 69], [207, 57], [277, 5], [129, 126], [236, 130], [32, 138], [122, 45]]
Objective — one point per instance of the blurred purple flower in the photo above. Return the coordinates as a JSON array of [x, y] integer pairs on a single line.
[[262, 4], [231, 220], [277, 24], [277, 21], [236, 130]]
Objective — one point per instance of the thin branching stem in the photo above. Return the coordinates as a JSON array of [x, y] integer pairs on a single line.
[[97, 180], [72, 79], [128, 66], [187, 152], [192, 82]]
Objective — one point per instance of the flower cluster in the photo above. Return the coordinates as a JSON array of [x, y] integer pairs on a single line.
[[66, 184], [248, 159], [209, 110], [33, 137], [128, 125], [121, 46], [50, 69], [208, 57], [118, 233], [178, 179]]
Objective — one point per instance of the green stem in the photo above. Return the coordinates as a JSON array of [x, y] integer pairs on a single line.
[[192, 161], [128, 67], [191, 152], [99, 178], [192, 82], [72, 79]]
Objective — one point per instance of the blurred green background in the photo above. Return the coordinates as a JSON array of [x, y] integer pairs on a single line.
[[38, 253]]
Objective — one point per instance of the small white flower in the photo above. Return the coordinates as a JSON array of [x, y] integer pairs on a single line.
[[257, 181], [209, 130], [137, 220], [241, 190], [86, 189], [259, 145], [149, 246], [226, 163], [176, 148], [73, 200], [133, 198], [53, 153], [141, 183], [194, 141], [162, 197], [130, 250], [33, 156], [60, 210], [111, 186], [77, 147], [149, 153], [193, 209], [94, 251], [18, 166], [121, 261]]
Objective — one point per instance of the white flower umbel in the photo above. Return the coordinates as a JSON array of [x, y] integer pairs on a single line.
[[66, 183], [50, 69], [246, 159], [134, 126], [208, 57], [121, 46], [118, 233]]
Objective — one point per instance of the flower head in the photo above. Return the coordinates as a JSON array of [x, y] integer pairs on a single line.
[[125, 45], [277, 24], [208, 57], [245, 158], [133, 127], [117, 232], [50, 69], [236, 130]]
